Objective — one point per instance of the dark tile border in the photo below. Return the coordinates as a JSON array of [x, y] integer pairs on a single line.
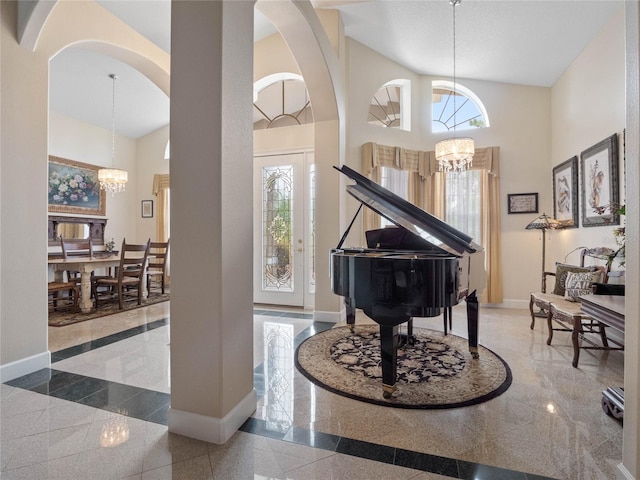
[[108, 340], [114, 397], [154, 406]]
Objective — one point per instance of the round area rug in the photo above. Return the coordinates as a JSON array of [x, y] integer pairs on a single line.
[[437, 372]]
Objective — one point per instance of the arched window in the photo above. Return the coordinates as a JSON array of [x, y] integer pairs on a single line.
[[469, 110], [391, 105], [280, 100]]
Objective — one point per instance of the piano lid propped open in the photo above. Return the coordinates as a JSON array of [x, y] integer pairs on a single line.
[[406, 215]]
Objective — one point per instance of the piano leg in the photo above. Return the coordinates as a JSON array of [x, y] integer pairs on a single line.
[[389, 354], [351, 314], [447, 314], [472, 323]]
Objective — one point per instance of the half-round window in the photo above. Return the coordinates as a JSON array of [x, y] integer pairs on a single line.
[[391, 105], [459, 108], [281, 100]]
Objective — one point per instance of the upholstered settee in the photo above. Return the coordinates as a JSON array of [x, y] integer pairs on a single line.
[[563, 312]]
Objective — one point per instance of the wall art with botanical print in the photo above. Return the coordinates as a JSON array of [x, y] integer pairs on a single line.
[[565, 193], [599, 165]]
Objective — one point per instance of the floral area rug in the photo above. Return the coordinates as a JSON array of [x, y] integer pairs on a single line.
[[436, 372], [62, 317]]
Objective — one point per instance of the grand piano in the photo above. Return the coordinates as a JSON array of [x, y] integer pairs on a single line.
[[417, 268]]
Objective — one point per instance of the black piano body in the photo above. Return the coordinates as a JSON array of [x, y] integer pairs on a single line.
[[415, 269]]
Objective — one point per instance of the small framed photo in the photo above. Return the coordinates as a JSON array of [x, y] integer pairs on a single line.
[[147, 208], [565, 193], [599, 165], [523, 202]]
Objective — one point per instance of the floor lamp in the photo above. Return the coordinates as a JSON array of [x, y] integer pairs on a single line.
[[544, 223]]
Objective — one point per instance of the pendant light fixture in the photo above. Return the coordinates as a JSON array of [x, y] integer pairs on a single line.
[[113, 179], [455, 154]]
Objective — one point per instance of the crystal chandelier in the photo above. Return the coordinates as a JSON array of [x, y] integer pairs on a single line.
[[455, 154], [113, 179]]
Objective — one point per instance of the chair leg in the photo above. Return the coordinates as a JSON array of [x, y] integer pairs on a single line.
[[76, 297], [120, 292], [533, 317], [550, 326], [575, 339]]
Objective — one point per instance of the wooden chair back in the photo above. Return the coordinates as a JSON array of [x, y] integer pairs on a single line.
[[133, 259], [74, 246], [157, 266], [130, 275], [158, 255], [604, 254]]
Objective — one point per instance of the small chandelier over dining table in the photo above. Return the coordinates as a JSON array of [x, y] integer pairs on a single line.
[[455, 154], [113, 179]]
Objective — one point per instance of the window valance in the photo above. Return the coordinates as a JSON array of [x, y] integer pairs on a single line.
[[422, 162], [160, 182]]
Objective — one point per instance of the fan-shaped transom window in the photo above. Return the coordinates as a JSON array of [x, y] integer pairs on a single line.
[[463, 112], [281, 100], [391, 105]]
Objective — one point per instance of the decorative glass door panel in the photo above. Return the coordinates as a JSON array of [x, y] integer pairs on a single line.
[[277, 227], [281, 244]]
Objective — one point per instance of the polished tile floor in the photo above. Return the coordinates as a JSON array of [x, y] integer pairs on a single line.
[[101, 412]]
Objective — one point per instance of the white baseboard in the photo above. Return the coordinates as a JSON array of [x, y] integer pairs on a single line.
[[623, 473], [25, 366], [212, 429], [515, 304], [331, 317]]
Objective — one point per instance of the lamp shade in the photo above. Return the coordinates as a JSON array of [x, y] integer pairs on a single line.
[[544, 222]]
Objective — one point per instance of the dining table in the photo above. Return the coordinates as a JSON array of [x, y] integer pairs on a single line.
[[85, 265]]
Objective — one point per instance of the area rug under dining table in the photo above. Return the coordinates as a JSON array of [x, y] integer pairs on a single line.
[[437, 372], [67, 316]]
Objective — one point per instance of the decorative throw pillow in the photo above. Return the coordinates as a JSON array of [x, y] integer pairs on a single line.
[[579, 283], [562, 270]]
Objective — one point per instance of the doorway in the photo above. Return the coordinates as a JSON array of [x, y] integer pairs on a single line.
[[284, 248]]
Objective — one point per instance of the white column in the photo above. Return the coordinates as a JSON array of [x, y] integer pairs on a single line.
[[211, 218], [629, 468], [23, 203]]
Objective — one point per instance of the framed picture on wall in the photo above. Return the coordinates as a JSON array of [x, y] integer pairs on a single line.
[[565, 193], [522, 202], [73, 188], [147, 208], [599, 165]]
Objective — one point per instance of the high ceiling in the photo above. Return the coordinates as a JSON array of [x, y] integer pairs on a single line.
[[529, 42]]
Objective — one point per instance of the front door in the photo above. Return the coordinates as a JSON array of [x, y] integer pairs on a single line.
[[283, 230]]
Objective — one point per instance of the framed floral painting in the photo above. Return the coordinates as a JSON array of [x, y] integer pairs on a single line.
[[599, 165], [74, 188]]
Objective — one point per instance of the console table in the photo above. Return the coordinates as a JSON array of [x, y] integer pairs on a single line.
[[609, 310]]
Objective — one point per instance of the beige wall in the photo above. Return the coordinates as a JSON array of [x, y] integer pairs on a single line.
[[23, 168], [588, 105], [519, 124], [23, 161], [149, 161], [83, 142]]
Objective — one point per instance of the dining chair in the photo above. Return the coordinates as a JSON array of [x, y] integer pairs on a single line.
[[55, 288], [128, 277], [156, 268], [75, 247]]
